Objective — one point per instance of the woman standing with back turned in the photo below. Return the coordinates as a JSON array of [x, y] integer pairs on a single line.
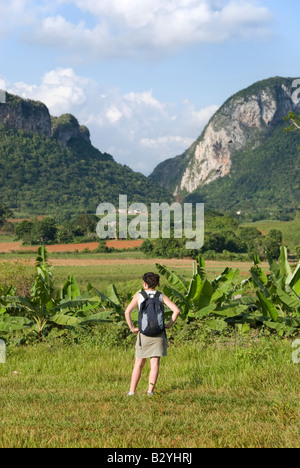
[[153, 347]]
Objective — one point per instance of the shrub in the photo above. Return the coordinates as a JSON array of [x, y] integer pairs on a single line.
[[19, 273]]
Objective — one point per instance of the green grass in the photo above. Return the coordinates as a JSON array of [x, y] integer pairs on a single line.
[[222, 395], [124, 274], [289, 229], [7, 238]]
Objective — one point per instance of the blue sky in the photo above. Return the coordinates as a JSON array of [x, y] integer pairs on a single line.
[[145, 76]]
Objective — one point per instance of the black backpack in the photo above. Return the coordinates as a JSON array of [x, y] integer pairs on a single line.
[[151, 315]]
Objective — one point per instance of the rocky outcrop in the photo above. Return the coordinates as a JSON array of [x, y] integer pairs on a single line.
[[24, 114], [240, 123], [243, 122], [34, 116], [66, 128]]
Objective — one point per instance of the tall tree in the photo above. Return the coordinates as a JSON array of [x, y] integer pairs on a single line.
[[4, 213]]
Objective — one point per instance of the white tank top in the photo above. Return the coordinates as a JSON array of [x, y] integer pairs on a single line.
[[150, 293]]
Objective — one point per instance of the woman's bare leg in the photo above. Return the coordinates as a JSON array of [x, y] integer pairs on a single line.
[[136, 374], [154, 371]]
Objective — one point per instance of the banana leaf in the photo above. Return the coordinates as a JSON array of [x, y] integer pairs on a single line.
[[217, 325], [100, 317], [204, 312], [268, 307], [9, 324], [285, 269], [260, 279], [112, 294], [11, 302], [288, 300], [294, 282], [200, 268], [79, 303], [66, 320], [176, 280], [203, 294], [70, 289]]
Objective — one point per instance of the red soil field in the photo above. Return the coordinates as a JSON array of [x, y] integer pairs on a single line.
[[117, 244]]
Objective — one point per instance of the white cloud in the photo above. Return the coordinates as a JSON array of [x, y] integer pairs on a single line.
[[12, 14], [166, 141], [130, 28], [144, 99], [61, 90], [136, 128], [113, 114]]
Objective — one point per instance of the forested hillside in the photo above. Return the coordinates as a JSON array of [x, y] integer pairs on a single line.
[[50, 166]]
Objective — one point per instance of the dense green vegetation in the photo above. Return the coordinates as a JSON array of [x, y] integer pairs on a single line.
[[223, 234], [4, 214], [80, 228], [226, 301], [39, 176], [290, 229]]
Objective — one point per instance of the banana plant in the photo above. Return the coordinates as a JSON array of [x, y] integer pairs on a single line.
[[110, 302], [278, 294], [201, 298], [47, 307]]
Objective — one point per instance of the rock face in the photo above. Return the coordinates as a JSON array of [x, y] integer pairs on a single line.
[[34, 116], [241, 123], [21, 114], [66, 127]]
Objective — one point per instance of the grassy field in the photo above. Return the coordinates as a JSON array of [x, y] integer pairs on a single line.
[[225, 395], [124, 269], [289, 229]]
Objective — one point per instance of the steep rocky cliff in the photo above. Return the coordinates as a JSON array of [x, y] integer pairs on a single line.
[[24, 114], [243, 123], [34, 117]]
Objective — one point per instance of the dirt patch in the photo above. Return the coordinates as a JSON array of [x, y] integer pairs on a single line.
[[7, 247], [117, 244], [128, 261], [124, 244]]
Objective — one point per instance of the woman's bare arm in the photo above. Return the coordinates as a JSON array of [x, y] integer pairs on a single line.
[[133, 304], [173, 307]]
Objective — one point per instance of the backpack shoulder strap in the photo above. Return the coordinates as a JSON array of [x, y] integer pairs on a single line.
[[144, 294], [157, 294]]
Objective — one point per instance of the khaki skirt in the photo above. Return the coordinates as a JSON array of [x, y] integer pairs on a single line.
[[151, 346]]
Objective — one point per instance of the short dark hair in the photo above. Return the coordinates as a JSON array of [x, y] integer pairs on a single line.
[[151, 279]]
